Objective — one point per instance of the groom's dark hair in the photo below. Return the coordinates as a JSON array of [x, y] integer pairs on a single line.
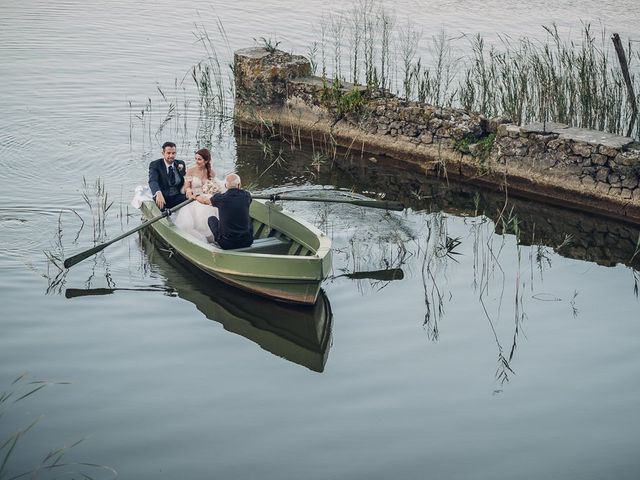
[[168, 144]]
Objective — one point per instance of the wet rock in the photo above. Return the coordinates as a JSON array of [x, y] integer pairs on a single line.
[[608, 151], [588, 181], [613, 179], [630, 181], [599, 159], [629, 158], [602, 174], [426, 138], [555, 144], [495, 122], [581, 149]]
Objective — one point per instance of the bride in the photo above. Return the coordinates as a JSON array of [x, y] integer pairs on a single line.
[[200, 178]]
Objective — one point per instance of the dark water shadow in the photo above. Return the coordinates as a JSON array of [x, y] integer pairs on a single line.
[[570, 233]]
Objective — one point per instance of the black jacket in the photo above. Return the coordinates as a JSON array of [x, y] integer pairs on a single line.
[[235, 227]]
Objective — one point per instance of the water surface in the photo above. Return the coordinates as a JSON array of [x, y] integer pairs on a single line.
[[508, 349]]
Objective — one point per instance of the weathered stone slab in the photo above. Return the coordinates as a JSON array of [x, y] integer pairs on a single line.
[[544, 128], [595, 137]]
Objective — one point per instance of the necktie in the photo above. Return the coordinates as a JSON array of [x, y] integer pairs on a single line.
[[172, 176]]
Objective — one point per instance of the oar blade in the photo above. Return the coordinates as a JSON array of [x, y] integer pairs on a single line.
[[71, 261]]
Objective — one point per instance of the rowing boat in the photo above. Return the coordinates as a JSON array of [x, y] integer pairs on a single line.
[[288, 260]]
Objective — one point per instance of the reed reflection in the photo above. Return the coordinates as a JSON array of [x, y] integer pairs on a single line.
[[570, 233], [512, 241]]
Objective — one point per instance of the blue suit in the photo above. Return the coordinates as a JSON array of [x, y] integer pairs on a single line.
[[159, 180]]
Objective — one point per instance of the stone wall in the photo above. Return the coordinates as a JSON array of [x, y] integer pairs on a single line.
[[603, 163], [584, 169], [384, 114]]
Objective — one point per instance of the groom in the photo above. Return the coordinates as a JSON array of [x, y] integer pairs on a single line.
[[166, 177]]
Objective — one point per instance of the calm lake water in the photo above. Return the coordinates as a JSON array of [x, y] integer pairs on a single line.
[[507, 347]]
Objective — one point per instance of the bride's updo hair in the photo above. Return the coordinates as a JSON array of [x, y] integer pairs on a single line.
[[206, 155]]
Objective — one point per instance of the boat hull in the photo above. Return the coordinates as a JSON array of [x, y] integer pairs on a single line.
[[295, 276]]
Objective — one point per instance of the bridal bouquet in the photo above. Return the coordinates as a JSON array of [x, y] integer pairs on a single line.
[[210, 187]]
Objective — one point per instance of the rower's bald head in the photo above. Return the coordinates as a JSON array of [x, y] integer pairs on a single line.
[[232, 180]]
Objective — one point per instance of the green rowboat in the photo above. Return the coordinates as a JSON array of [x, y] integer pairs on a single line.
[[288, 260]]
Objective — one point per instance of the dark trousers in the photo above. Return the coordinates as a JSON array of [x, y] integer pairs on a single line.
[[228, 243], [171, 201]]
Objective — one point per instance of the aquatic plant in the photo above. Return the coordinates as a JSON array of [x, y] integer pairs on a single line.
[[574, 82], [342, 101], [269, 44], [53, 464], [97, 199]]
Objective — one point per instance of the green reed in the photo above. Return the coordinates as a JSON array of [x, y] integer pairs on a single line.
[[577, 83], [97, 199], [368, 29], [53, 464], [214, 87], [574, 82]]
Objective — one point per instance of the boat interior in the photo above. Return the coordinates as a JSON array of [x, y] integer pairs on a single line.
[[271, 241]]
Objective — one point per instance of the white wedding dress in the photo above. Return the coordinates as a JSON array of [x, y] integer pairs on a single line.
[[194, 217]]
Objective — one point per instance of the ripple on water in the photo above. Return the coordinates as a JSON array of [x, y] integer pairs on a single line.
[[25, 231]]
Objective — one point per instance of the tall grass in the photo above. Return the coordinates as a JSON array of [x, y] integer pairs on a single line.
[[97, 199], [214, 89], [577, 82], [368, 28]]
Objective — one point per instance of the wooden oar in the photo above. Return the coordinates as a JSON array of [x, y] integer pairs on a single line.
[[71, 261], [386, 205]]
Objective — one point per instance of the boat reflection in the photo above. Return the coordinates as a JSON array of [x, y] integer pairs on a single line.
[[298, 333]]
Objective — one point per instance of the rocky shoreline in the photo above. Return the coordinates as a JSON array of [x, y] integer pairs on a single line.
[[583, 169]]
